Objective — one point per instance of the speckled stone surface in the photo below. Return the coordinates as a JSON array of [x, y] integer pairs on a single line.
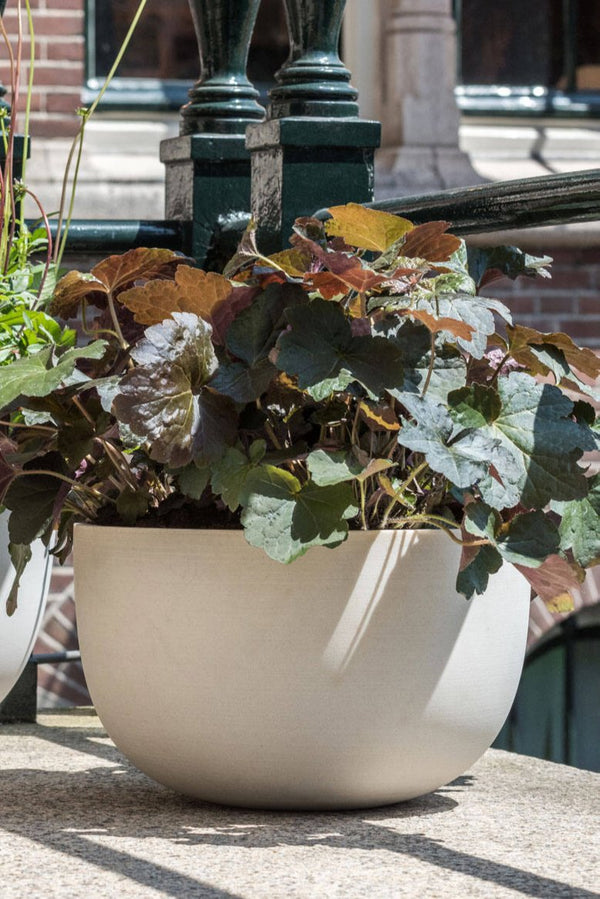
[[76, 820]]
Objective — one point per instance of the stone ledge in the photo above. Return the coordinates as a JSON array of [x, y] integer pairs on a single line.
[[78, 820]]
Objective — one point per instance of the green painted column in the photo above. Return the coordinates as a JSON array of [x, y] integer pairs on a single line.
[[208, 166], [314, 150]]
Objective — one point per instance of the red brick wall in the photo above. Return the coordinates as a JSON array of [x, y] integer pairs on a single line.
[[59, 67], [569, 301]]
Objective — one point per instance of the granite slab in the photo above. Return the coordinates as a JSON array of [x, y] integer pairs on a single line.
[[77, 820]]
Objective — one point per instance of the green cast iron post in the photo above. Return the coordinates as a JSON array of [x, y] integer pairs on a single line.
[[222, 100], [313, 150], [208, 166], [314, 82]]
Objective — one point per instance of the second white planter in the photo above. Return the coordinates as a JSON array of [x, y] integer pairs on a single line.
[[353, 677], [19, 631]]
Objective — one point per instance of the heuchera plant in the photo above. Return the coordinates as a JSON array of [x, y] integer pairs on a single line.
[[356, 380]]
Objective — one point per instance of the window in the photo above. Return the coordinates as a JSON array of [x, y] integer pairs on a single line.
[[540, 57], [161, 62]]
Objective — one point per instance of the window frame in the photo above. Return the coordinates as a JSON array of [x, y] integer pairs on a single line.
[[151, 94], [527, 100]]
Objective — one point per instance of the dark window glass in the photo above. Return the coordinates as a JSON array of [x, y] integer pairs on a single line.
[[588, 46], [164, 45], [534, 57], [508, 43]]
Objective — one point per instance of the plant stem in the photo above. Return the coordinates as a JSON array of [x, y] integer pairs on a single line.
[[363, 514], [431, 366], [78, 140], [115, 320], [28, 100], [449, 526], [399, 492], [499, 368], [76, 485]]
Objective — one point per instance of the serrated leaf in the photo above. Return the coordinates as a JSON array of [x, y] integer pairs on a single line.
[[543, 442], [193, 479], [477, 564], [476, 312], [110, 275], [414, 342], [146, 263], [463, 455], [332, 468], [253, 333], [321, 352], [230, 473], [193, 290], [246, 253], [161, 398], [556, 582], [41, 374], [366, 229], [430, 241], [286, 519], [527, 539], [580, 525], [345, 273], [525, 341], [241, 382], [72, 289], [436, 324], [378, 416], [486, 264], [294, 262]]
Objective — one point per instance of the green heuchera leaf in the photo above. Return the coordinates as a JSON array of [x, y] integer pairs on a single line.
[[241, 382], [527, 539], [44, 372], [322, 353], [478, 312], [580, 525], [192, 479], [231, 472], [463, 455], [250, 338], [488, 263], [339, 466], [474, 576], [285, 518], [252, 334], [165, 399], [542, 441], [332, 468], [414, 342]]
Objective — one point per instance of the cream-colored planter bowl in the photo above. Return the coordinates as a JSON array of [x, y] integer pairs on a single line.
[[353, 677], [19, 631]]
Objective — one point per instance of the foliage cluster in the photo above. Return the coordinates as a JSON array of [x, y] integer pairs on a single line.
[[356, 380]]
